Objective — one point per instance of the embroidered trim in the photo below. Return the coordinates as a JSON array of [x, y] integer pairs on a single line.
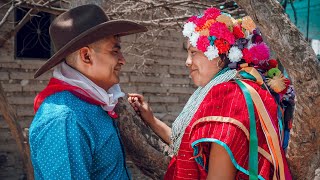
[[225, 146], [239, 124]]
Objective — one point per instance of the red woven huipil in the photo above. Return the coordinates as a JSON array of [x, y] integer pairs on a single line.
[[223, 118]]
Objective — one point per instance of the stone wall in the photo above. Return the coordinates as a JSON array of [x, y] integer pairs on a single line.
[[161, 76]]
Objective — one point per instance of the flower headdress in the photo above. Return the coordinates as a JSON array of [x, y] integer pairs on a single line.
[[216, 33]]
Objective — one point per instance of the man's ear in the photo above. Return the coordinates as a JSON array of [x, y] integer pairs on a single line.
[[85, 55]]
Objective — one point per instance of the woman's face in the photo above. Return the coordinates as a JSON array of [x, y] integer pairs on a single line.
[[201, 69]]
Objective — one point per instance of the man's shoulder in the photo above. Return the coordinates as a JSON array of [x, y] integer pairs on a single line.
[[62, 106], [64, 97], [68, 101]]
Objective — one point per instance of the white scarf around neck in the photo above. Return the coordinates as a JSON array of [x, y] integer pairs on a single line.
[[73, 77]]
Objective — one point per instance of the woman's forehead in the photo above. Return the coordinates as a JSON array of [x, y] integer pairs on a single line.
[[189, 46]]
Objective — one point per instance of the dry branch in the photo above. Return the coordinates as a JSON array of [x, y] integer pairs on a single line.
[[4, 19], [11, 119]]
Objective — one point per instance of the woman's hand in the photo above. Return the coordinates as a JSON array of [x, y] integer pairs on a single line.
[[144, 110], [141, 107]]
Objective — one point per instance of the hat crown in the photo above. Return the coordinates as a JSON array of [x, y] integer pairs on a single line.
[[72, 23]]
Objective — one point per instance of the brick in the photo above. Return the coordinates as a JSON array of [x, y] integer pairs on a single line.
[[178, 70], [12, 87], [181, 90], [160, 114], [145, 79], [21, 100], [169, 118], [171, 62], [151, 89], [178, 53], [25, 121], [128, 89], [25, 110], [139, 60], [158, 108], [31, 64], [9, 64], [164, 99], [124, 79], [21, 75], [44, 77], [4, 76], [10, 146], [129, 68], [157, 69], [34, 87], [175, 107], [167, 43], [5, 135], [176, 80]]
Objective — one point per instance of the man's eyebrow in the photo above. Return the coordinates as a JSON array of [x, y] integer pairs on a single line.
[[117, 46]]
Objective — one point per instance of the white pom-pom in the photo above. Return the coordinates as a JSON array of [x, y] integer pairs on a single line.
[[235, 54], [188, 29], [194, 38], [212, 52]]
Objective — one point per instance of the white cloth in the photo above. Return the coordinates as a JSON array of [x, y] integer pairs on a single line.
[[73, 77]]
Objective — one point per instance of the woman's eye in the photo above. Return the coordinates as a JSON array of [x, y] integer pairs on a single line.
[[193, 53]]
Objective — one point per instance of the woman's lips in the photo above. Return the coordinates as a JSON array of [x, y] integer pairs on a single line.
[[192, 70]]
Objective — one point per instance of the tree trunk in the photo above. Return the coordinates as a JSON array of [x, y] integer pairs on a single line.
[[300, 61], [145, 148], [11, 119]]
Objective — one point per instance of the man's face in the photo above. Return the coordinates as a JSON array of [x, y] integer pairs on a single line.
[[107, 59], [201, 69]]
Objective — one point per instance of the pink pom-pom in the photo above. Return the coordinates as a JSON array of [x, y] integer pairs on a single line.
[[220, 30], [212, 13], [192, 19], [201, 21], [202, 43], [260, 52]]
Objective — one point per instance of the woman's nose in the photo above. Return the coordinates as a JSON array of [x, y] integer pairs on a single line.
[[188, 61]]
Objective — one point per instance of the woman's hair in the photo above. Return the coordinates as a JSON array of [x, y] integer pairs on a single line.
[[225, 60]]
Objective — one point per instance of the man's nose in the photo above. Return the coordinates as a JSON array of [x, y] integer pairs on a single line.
[[121, 59]]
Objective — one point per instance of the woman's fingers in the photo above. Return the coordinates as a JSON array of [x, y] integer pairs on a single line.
[[138, 97]]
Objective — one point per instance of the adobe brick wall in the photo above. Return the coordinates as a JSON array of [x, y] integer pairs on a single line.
[[163, 79]]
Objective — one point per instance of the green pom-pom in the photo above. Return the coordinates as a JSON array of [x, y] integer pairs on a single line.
[[274, 72]]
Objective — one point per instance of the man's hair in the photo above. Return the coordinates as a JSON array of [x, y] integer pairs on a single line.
[[72, 58]]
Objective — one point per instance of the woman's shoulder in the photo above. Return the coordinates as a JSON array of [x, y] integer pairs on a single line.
[[231, 88]]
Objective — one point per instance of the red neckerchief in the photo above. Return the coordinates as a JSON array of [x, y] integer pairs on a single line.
[[56, 85]]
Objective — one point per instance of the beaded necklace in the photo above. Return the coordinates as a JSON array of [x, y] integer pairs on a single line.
[[182, 121]]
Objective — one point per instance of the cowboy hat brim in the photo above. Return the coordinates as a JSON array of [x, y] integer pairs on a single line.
[[112, 27]]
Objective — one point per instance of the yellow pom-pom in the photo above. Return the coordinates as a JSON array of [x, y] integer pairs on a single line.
[[225, 19], [277, 83], [248, 24]]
